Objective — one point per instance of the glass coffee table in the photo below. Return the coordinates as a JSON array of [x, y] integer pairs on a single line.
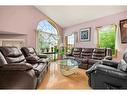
[[68, 66]]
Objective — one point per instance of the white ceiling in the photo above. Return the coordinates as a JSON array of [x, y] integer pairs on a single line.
[[70, 15]]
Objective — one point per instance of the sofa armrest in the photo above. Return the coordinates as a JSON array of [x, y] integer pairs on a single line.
[[17, 76], [16, 66], [110, 63], [92, 69], [42, 56], [108, 57], [113, 72]]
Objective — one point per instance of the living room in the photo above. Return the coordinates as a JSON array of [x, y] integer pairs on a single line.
[[58, 49]]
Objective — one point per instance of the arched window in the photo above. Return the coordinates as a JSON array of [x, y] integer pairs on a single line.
[[47, 36]]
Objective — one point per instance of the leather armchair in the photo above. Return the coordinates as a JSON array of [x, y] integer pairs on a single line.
[[16, 76], [108, 74]]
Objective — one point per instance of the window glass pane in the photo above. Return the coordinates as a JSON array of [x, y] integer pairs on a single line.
[[47, 36], [70, 42], [47, 27], [107, 36]]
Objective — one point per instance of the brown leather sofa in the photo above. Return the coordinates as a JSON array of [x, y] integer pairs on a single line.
[[16, 73], [89, 56]]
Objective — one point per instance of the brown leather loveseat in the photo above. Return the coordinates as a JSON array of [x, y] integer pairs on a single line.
[[16, 73], [89, 56]]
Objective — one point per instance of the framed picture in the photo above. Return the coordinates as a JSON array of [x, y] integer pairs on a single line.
[[85, 34], [123, 30]]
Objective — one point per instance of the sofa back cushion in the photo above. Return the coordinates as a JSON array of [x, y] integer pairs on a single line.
[[87, 53], [77, 52], [12, 55], [29, 51], [99, 53]]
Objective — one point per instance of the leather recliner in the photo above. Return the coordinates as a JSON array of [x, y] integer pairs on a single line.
[[86, 54], [99, 54], [75, 53], [13, 55], [16, 74], [108, 74]]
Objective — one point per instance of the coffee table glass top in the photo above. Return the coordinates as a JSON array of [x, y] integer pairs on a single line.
[[68, 66]]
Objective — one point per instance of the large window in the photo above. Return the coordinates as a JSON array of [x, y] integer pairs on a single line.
[[47, 37], [106, 37], [70, 42]]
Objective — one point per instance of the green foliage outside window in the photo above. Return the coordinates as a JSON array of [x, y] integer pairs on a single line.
[[107, 36]]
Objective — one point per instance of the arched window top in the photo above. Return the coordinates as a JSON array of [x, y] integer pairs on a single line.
[[45, 26]]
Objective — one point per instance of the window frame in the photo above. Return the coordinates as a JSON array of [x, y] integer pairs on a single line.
[[54, 25]]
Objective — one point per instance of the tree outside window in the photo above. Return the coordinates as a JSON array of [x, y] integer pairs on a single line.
[[107, 37]]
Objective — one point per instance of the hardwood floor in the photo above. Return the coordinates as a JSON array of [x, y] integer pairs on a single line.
[[55, 80]]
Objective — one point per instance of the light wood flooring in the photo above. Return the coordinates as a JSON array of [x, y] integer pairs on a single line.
[[55, 80]]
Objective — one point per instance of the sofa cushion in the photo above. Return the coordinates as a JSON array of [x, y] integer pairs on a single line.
[[97, 57], [76, 52], [12, 54], [86, 54], [99, 54], [99, 50], [77, 49], [15, 59], [87, 50]]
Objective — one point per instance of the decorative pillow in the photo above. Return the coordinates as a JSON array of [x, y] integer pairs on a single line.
[[122, 66]]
